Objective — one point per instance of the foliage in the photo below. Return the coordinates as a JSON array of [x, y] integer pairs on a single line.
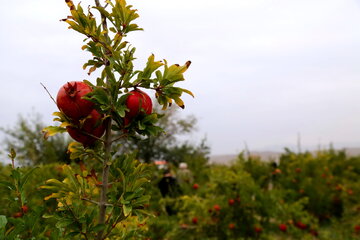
[[250, 198], [261, 203], [161, 146]]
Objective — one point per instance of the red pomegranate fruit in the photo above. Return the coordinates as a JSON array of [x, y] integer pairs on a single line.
[[282, 227], [90, 126], [69, 100], [301, 225], [25, 209], [231, 226], [217, 207], [137, 102], [231, 202], [258, 229]]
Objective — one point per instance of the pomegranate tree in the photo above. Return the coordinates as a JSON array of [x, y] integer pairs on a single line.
[[98, 114]]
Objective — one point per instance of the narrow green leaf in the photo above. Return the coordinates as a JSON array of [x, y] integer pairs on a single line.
[[3, 221], [127, 209], [25, 178]]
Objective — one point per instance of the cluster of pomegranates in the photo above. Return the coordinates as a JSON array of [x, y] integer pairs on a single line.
[[87, 122]]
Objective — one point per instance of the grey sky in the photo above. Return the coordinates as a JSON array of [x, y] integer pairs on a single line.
[[263, 70]]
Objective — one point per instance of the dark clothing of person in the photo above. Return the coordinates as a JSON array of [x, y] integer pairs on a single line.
[[169, 187]]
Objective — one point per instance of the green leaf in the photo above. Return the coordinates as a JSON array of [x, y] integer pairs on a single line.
[[25, 178], [8, 185], [188, 92], [52, 130], [139, 182], [103, 11], [64, 223], [127, 209], [99, 96], [99, 227], [75, 26], [72, 234], [151, 66], [174, 73], [16, 174], [3, 221], [123, 179], [47, 216]]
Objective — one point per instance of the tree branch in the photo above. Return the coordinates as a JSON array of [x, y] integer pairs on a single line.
[[105, 172]]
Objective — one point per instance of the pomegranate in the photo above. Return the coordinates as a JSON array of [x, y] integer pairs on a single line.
[[195, 186], [231, 202], [89, 126], [24, 209], [282, 227], [231, 226], [301, 225], [217, 207], [69, 100], [258, 229], [17, 215], [138, 102]]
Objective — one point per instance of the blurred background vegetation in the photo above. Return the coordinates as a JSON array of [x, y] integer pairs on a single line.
[[300, 196]]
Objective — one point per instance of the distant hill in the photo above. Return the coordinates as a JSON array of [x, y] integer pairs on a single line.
[[268, 155]]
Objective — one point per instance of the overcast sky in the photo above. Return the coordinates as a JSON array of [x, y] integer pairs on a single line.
[[262, 70]]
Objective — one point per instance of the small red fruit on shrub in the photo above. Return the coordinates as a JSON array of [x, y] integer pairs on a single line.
[[231, 202], [24, 209], [300, 225], [138, 102], [231, 226], [357, 229], [282, 227], [184, 226], [195, 186], [18, 215], [338, 188], [90, 126], [194, 220], [350, 191], [258, 229], [314, 232], [217, 207], [298, 170], [69, 100], [277, 171]]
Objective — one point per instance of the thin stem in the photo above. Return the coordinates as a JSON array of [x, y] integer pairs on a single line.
[[89, 200], [48, 93], [91, 135], [95, 202], [119, 137]]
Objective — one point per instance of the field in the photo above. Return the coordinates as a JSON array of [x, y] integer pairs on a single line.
[[304, 196]]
